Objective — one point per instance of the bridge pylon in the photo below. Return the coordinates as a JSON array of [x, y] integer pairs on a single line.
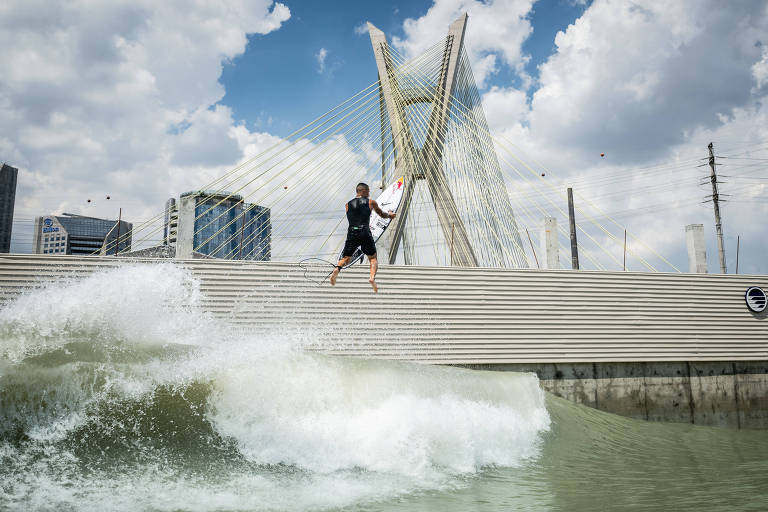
[[424, 162], [419, 143]]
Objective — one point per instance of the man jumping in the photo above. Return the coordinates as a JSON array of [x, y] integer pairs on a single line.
[[359, 232]]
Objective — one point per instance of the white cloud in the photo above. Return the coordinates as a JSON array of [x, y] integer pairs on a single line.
[[119, 98], [361, 29], [496, 30], [760, 69], [647, 84], [505, 107], [651, 84], [320, 56], [660, 70]]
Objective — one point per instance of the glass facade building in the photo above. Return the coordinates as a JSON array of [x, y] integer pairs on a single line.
[[79, 235], [8, 176], [228, 228]]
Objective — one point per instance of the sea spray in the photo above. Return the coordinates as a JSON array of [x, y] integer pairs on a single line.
[[119, 388], [136, 304]]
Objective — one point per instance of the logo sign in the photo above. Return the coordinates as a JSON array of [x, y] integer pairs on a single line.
[[48, 226], [756, 299]]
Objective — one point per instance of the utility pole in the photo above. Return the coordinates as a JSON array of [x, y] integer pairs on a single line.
[[624, 268], [716, 202], [572, 222]]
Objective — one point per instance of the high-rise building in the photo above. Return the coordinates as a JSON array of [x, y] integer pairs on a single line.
[[221, 225], [8, 177], [171, 222], [79, 235]]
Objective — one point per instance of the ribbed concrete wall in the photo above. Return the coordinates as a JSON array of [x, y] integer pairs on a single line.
[[469, 316]]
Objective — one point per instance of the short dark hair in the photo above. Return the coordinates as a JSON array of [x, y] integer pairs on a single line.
[[363, 186]]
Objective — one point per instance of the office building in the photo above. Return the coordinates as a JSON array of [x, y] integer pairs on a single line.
[[171, 222], [220, 225], [8, 176], [79, 235]]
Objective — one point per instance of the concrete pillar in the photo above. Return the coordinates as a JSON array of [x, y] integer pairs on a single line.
[[697, 250], [185, 241], [549, 246]]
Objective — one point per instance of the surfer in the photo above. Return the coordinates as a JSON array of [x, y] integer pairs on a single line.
[[359, 232]]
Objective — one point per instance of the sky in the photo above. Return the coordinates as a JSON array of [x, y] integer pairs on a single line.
[[143, 100]]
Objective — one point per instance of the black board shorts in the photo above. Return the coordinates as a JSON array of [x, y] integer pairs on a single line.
[[359, 237]]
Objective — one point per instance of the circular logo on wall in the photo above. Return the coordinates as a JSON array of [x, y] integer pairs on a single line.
[[756, 299], [48, 222]]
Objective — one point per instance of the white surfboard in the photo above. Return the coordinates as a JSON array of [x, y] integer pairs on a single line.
[[387, 200]]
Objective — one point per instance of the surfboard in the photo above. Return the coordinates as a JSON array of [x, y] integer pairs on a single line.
[[387, 200]]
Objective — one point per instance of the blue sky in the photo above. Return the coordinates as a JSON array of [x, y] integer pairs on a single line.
[[278, 78]]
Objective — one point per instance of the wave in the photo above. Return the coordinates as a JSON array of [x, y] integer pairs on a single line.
[[120, 381], [135, 304]]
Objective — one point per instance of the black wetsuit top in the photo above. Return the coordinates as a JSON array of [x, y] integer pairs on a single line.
[[359, 232], [359, 212]]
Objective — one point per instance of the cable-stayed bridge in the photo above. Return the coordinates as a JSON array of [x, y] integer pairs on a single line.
[[437, 130], [422, 119]]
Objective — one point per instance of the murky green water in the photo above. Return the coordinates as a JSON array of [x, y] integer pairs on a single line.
[[135, 403], [591, 460]]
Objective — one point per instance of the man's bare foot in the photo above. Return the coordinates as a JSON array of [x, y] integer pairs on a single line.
[[334, 275], [374, 285]]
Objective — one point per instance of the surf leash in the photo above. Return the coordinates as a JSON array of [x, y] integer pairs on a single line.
[[307, 266]]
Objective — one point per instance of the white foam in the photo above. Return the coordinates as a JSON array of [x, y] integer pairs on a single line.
[[328, 414], [355, 430], [136, 303]]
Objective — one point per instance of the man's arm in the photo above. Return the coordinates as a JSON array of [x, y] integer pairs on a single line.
[[375, 207]]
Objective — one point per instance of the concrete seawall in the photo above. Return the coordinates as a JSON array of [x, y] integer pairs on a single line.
[[715, 393], [669, 347]]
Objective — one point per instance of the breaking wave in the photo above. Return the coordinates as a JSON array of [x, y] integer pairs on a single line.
[[119, 388]]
